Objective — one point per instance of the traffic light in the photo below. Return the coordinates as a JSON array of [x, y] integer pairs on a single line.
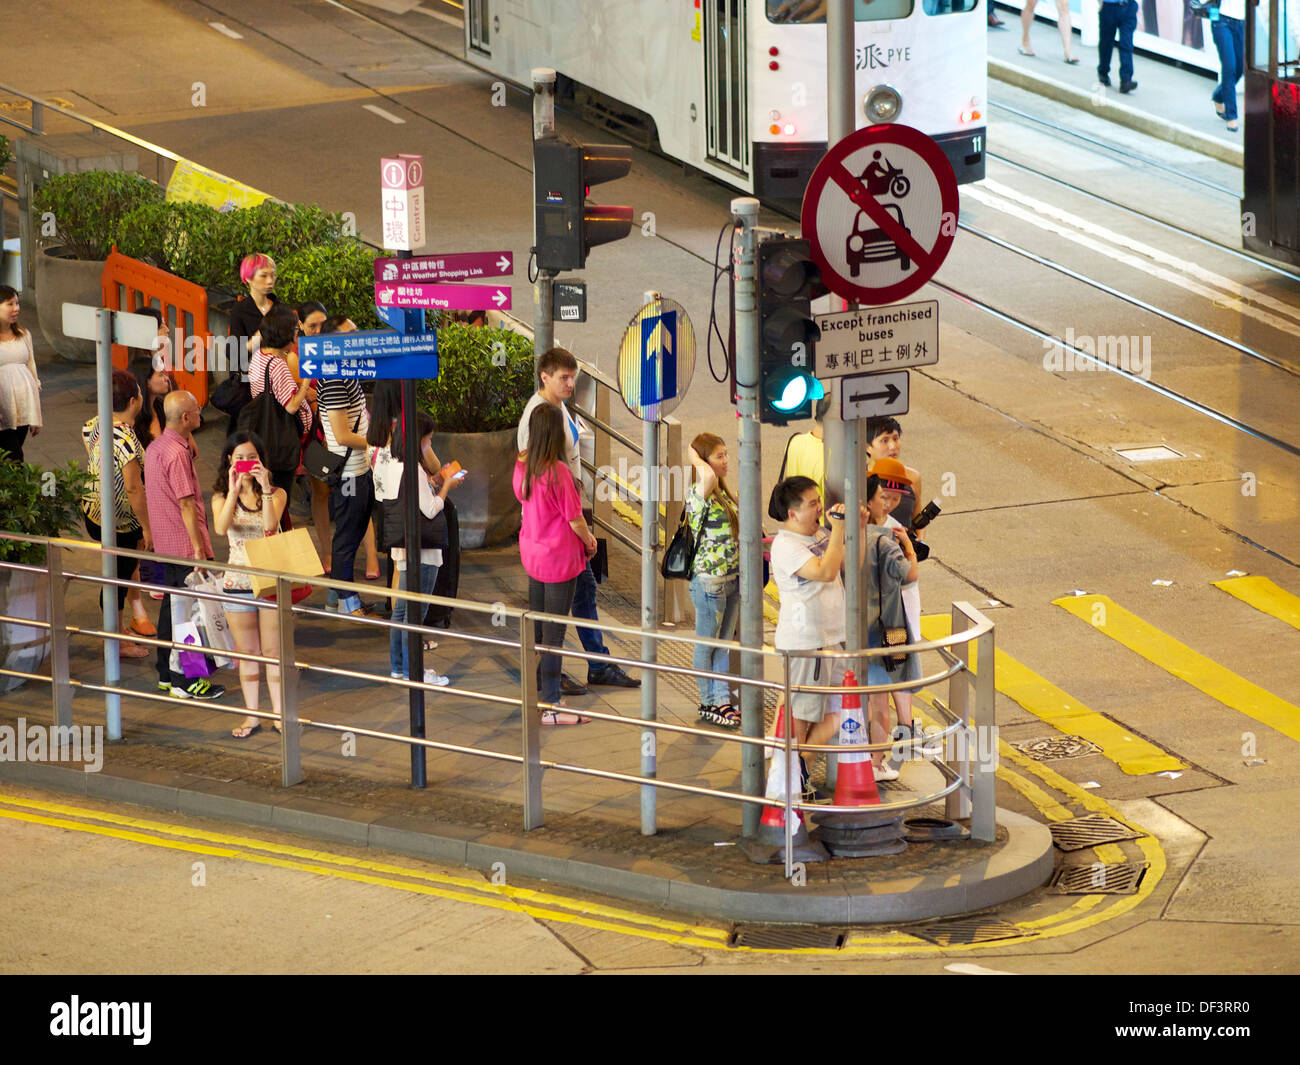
[[788, 282], [567, 227]]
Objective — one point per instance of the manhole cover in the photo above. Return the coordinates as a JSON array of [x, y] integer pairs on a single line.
[[786, 937], [969, 930], [1098, 878], [1151, 453], [1052, 747], [1089, 831]]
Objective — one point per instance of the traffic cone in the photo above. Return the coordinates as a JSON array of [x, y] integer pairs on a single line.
[[769, 844], [856, 783]]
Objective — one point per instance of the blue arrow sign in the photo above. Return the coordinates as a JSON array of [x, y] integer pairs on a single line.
[[658, 359], [401, 368], [369, 356]]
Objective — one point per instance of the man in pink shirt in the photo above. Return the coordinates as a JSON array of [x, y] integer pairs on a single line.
[[180, 524]]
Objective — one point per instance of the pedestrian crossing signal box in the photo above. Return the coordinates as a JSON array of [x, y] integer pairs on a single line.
[[788, 282], [566, 226]]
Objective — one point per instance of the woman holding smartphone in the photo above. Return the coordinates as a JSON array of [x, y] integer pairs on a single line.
[[246, 506], [554, 543]]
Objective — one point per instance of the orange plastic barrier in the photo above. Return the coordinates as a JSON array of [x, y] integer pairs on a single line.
[[128, 285]]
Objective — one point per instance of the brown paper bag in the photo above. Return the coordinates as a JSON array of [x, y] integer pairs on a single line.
[[289, 552]]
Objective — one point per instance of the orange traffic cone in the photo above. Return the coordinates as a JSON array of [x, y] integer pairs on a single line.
[[856, 783]]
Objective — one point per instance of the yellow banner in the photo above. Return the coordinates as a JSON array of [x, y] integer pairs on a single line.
[[190, 182]]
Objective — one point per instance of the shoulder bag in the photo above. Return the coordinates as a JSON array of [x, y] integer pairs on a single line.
[[280, 431], [889, 637], [679, 557], [322, 463]]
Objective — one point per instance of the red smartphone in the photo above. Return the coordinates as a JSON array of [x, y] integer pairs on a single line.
[[245, 465]]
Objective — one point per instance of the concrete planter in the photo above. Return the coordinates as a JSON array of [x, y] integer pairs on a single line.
[[485, 504], [22, 647], [62, 280]]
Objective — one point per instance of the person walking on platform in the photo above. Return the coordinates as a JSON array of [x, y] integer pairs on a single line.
[[555, 543], [1117, 17], [1228, 25], [20, 387], [179, 522], [713, 517], [1062, 25], [559, 373]]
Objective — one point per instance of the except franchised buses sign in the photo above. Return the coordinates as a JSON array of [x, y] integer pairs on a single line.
[[876, 339]]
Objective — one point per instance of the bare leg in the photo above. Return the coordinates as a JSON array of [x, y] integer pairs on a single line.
[[269, 624], [243, 627], [1026, 20], [372, 555], [878, 710], [1063, 26]]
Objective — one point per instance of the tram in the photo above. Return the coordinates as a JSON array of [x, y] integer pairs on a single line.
[[1270, 202], [737, 88]]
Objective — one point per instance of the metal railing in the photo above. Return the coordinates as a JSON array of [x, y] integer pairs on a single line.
[[969, 791]]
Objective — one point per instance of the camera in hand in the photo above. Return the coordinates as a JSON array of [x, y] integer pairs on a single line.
[[926, 515], [921, 548]]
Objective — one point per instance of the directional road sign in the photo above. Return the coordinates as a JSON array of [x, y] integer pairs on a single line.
[[878, 338], [880, 213], [443, 297], [368, 356], [873, 395], [656, 359], [460, 266], [401, 183], [131, 330]]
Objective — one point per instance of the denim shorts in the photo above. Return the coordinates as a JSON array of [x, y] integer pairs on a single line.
[[245, 604]]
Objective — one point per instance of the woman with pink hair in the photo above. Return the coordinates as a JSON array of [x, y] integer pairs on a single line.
[[257, 271]]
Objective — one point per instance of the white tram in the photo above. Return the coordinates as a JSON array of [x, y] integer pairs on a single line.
[[737, 88]]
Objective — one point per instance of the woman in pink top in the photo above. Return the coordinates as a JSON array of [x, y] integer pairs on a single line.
[[554, 543]]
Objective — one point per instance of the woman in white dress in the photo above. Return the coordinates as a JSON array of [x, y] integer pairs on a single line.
[[20, 388]]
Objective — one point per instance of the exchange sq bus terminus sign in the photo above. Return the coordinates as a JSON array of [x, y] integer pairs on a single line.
[[880, 213]]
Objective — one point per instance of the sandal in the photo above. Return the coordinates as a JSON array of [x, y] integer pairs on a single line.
[[558, 717], [1026, 51], [430, 645], [245, 731], [729, 718]]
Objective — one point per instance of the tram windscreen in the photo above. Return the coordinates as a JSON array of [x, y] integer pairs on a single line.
[[789, 12], [1288, 38]]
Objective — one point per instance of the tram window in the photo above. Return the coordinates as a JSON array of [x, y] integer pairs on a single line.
[[1288, 32], [805, 11], [947, 7]]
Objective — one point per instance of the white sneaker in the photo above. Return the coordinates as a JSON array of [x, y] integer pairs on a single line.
[[885, 771], [432, 676]]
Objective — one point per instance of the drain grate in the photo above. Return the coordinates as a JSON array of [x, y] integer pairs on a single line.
[[786, 937], [1099, 878], [1089, 831], [969, 930], [1050, 748]]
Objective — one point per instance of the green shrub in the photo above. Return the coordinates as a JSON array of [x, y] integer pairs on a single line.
[[38, 503], [473, 394], [88, 208], [341, 276]]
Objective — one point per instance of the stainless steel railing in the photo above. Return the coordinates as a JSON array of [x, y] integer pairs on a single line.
[[969, 790]]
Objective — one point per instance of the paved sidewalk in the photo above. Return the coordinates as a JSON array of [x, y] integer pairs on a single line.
[[1171, 102]]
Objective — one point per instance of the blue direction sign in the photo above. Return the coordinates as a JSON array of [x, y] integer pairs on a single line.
[[369, 356], [656, 359]]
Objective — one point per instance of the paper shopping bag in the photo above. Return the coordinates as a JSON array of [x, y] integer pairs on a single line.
[[209, 617], [289, 552]]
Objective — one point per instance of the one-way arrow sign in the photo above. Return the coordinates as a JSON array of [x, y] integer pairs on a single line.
[[873, 395]]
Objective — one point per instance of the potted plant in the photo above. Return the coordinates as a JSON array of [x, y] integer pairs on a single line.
[[39, 503], [78, 216], [485, 379]]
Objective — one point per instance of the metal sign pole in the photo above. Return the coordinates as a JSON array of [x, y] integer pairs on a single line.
[[744, 212], [411, 474], [544, 289], [108, 521], [844, 450], [649, 617]]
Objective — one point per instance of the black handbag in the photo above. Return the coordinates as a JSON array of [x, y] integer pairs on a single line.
[[679, 557], [889, 637], [322, 463], [231, 396], [280, 431]]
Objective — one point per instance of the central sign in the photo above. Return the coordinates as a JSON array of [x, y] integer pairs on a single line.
[[402, 201]]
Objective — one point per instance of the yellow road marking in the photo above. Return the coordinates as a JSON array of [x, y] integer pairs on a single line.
[[1134, 755], [1263, 594], [1184, 663]]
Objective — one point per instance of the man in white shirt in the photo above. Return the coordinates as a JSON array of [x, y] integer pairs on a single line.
[[559, 373]]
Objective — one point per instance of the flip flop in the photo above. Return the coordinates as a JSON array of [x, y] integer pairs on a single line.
[[1072, 61], [1024, 51], [555, 717], [373, 576], [247, 730], [430, 645]]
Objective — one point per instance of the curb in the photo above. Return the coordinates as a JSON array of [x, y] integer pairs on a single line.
[[1120, 114], [1016, 867]]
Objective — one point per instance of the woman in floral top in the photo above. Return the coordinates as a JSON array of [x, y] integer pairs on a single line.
[[715, 581]]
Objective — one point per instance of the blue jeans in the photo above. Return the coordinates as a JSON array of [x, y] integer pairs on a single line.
[[1230, 41], [1116, 18], [584, 606], [398, 638], [716, 614], [350, 506]]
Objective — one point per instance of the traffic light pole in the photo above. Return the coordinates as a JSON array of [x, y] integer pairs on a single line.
[[544, 289], [744, 213]]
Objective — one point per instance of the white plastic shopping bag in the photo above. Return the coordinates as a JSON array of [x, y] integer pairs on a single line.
[[209, 616], [191, 664]]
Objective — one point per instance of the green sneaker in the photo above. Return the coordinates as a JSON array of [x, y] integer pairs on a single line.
[[198, 689]]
